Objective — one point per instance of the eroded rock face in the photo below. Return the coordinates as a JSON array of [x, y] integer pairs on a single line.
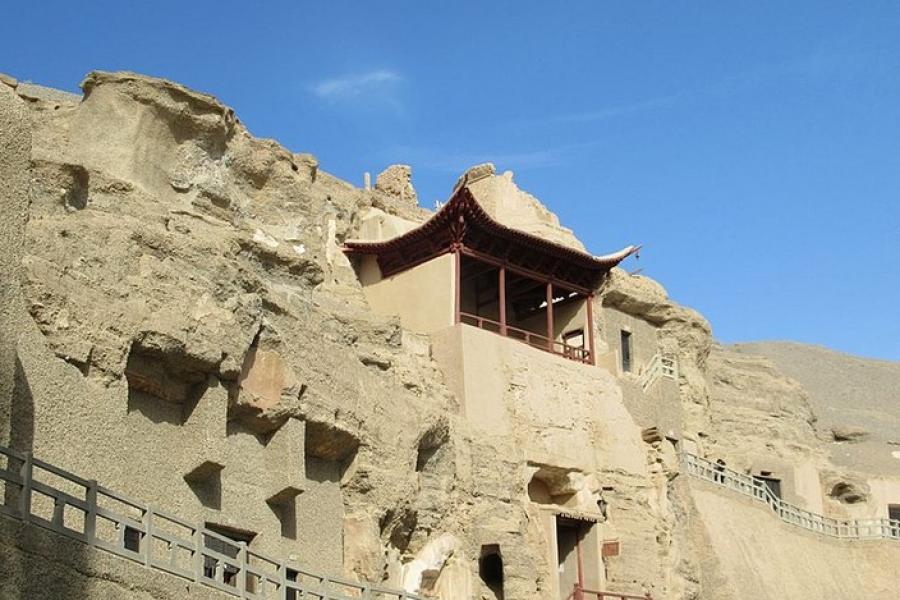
[[174, 260], [396, 181], [186, 282]]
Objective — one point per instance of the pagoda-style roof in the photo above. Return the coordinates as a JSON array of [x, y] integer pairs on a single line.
[[463, 225]]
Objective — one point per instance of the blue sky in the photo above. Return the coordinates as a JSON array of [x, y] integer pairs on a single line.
[[752, 147]]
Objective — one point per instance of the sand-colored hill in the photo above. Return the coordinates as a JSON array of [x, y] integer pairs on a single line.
[[856, 401]]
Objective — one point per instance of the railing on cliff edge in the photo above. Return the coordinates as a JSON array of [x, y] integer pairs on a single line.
[[535, 340], [846, 529], [581, 593], [41, 494], [662, 364]]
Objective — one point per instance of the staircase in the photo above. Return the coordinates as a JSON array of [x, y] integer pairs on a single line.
[[110, 521], [845, 529], [661, 365]]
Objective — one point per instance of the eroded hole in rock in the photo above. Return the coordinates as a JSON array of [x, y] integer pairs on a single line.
[[554, 485], [399, 524], [848, 493], [490, 569], [65, 183], [285, 510], [77, 194], [432, 449], [205, 482], [538, 492], [160, 368], [329, 442]]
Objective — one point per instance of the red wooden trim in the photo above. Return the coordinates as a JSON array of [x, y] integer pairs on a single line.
[[502, 284], [523, 271], [590, 327], [601, 595], [535, 340], [403, 267], [578, 539], [551, 334], [463, 219], [457, 273]]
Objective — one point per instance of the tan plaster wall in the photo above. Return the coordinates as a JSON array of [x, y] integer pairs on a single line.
[[564, 419], [800, 484], [377, 225], [423, 297], [659, 406], [883, 491], [763, 558], [644, 337], [573, 413]]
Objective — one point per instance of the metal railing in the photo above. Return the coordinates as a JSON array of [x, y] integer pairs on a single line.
[[535, 340], [583, 594], [660, 365], [41, 494], [848, 529]]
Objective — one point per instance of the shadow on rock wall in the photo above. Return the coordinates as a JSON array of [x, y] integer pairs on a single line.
[[35, 562]]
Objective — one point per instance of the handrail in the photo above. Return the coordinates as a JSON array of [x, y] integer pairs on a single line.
[[136, 531], [661, 364], [581, 593], [852, 529], [650, 372], [535, 340]]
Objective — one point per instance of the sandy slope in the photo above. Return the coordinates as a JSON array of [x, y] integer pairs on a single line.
[[846, 391]]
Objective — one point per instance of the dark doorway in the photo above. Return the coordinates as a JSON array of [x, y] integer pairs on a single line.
[[490, 569], [894, 516], [569, 535], [773, 484]]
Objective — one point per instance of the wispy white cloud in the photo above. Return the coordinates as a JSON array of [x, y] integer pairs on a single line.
[[818, 63], [379, 81]]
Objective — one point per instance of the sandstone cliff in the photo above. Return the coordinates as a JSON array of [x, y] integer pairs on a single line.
[[179, 321]]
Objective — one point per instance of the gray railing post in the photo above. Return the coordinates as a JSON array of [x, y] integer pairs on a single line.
[[90, 518], [242, 568], [281, 575], [59, 507], [147, 542], [198, 554], [27, 472]]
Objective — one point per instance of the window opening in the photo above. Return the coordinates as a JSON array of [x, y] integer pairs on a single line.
[[626, 350], [132, 539]]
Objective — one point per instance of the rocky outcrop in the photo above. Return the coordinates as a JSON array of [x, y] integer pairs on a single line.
[[396, 181], [682, 331], [170, 258], [179, 301]]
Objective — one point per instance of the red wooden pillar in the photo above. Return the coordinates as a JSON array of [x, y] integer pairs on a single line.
[[590, 328], [550, 335], [578, 540], [502, 283], [457, 267]]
